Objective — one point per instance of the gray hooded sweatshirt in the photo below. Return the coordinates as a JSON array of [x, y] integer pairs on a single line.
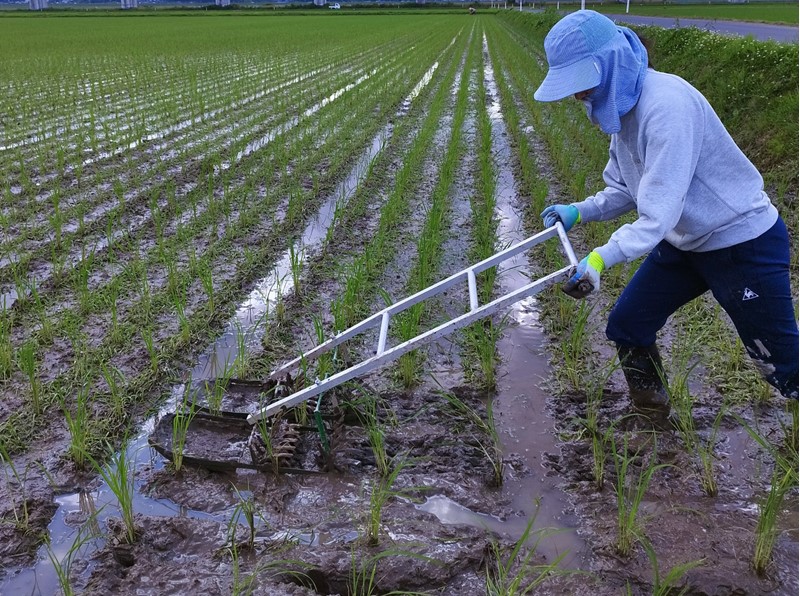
[[674, 162]]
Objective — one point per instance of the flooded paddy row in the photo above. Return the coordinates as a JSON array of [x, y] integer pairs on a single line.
[[385, 174]]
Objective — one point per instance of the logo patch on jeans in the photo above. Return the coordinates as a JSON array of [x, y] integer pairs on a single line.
[[748, 294]]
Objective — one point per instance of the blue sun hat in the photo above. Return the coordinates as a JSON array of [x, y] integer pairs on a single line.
[[586, 50]]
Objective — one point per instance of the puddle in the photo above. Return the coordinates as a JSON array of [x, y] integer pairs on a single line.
[[450, 512], [311, 538]]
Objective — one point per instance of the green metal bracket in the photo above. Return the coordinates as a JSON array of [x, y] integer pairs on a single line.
[[323, 436]]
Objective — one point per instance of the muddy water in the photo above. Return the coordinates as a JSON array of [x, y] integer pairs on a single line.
[[247, 325], [526, 429], [522, 417]]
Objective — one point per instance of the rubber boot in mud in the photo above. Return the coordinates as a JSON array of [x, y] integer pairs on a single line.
[[644, 373]]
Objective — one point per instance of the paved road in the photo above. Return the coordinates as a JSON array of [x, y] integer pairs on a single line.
[[760, 31]]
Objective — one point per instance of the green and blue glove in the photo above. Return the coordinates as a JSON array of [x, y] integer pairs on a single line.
[[567, 214], [586, 278]]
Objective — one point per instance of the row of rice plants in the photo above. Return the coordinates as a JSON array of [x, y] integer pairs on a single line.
[[147, 290], [425, 271], [736, 376], [481, 337], [362, 272]]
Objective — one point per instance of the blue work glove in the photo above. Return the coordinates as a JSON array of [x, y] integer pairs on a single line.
[[586, 278], [568, 214]]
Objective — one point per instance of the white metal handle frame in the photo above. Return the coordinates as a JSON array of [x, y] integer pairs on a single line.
[[382, 355]]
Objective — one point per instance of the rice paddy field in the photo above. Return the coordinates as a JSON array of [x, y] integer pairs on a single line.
[[189, 201]]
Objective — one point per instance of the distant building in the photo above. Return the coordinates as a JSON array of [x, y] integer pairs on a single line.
[[222, 2], [129, 4], [38, 4]]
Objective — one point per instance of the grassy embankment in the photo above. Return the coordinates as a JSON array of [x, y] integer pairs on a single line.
[[785, 13]]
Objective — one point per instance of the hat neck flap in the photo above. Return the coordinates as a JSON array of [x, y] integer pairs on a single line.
[[623, 64]]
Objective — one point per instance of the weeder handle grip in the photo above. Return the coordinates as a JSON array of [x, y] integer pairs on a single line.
[[577, 289]]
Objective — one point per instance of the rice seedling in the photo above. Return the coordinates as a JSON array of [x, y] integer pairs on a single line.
[[266, 429], [20, 512], [240, 585], [668, 584], [215, 390], [296, 256], [78, 426], [206, 276], [46, 327], [118, 476], [364, 580], [368, 412], [6, 347], [184, 324], [488, 440], [149, 343], [111, 298], [684, 361], [784, 478], [242, 360], [279, 305], [26, 361], [513, 573], [338, 214], [58, 259], [115, 380], [180, 428], [383, 490], [81, 283], [574, 348], [631, 489], [325, 363], [62, 564], [409, 363], [245, 507], [768, 509], [481, 340], [601, 439], [288, 569]]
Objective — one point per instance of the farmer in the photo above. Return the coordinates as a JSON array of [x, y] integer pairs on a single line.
[[703, 215]]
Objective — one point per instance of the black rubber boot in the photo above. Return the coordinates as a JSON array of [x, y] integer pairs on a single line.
[[644, 372]]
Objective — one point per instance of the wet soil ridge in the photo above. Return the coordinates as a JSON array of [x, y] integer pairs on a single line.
[[176, 221]]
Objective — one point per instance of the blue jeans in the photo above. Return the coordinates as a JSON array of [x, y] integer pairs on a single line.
[[750, 281]]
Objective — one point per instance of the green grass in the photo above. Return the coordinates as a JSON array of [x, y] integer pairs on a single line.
[[756, 12]]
